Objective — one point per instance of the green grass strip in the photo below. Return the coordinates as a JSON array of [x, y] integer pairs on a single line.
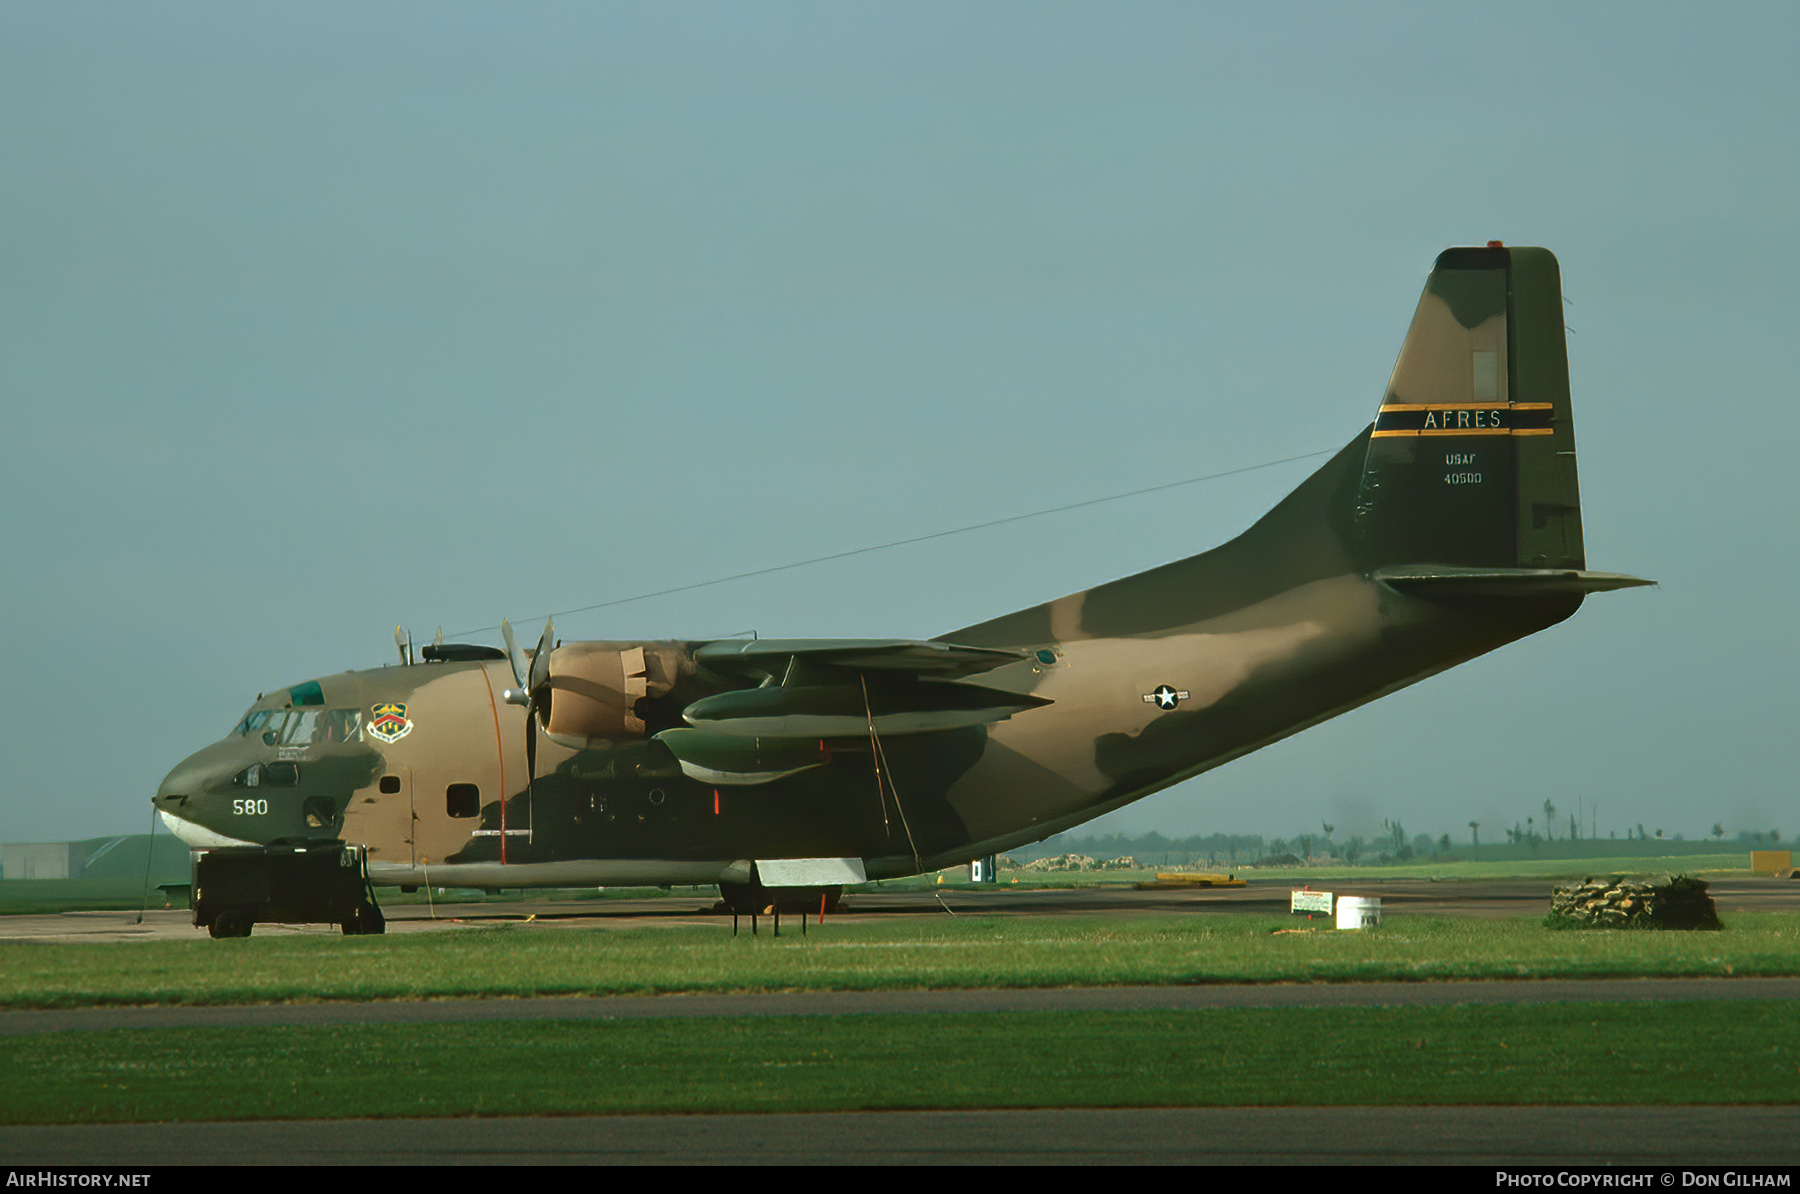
[[947, 952], [1614, 1054]]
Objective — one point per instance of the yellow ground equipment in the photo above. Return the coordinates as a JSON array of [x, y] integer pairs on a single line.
[[1190, 879]]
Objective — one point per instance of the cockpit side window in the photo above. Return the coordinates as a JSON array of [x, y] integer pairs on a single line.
[[341, 725], [302, 727], [253, 721]]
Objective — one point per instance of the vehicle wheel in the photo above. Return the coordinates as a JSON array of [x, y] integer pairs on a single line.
[[232, 922]]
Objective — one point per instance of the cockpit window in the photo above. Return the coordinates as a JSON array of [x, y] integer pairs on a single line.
[[301, 727], [308, 693], [254, 721], [341, 725], [294, 727]]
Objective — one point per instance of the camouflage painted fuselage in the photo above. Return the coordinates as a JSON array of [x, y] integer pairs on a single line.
[[1448, 528]]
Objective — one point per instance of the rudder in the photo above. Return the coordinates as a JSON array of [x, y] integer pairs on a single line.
[[1471, 462]]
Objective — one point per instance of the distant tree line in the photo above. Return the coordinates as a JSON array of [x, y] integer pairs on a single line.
[[1224, 851]]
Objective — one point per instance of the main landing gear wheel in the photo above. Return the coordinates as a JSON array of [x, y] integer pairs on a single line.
[[753, 899]]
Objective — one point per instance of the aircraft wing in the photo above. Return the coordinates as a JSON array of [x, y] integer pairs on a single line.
[[832, 694]]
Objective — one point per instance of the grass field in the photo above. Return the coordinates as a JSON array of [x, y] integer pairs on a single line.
[[1618, 1054], [23, 897], [961, 952]]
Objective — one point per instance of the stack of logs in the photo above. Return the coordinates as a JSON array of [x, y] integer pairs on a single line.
[[1671, 902]]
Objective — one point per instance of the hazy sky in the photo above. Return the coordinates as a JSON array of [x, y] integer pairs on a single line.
[[316, 318]]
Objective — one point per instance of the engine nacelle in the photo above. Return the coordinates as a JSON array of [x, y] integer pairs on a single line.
[[594, 688]]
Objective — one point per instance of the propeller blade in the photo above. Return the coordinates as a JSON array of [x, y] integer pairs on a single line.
[[518, 664], [403, 641], [540, 663]]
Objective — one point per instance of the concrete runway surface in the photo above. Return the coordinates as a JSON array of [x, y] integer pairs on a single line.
[[1658, 1137], [1399, 897], [1646, 1137]]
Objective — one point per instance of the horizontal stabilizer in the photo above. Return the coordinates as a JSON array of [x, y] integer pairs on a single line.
[[771, 656], [1443, 580]]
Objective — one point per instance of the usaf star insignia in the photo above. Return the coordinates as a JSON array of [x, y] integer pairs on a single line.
[[1165, 697]]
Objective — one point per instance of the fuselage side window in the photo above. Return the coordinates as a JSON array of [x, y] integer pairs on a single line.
[[462, 800]]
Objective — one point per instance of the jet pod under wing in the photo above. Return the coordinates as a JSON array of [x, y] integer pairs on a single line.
[[821, 694], [773, 656]]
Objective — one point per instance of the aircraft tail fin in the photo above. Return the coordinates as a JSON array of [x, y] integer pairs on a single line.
[[1471, 461], [1465, 485]]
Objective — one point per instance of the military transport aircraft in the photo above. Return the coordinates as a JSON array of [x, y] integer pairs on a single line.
[[1448, 527]]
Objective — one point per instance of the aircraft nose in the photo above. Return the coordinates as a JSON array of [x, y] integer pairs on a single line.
[[197, 774], [186, 778], [190, 797], [179, 784], [185, 781]]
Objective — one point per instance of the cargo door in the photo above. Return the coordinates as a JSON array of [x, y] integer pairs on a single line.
[[467, 746], [511, 818]]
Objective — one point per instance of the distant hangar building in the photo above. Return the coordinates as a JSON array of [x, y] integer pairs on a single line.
[[42, 860]]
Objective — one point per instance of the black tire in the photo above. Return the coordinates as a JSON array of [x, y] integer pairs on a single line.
[[744, 898], [231, 922], [364, 922]]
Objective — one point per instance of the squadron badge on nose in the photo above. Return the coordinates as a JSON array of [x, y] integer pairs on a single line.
[[1165, 697], [390, 723]]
